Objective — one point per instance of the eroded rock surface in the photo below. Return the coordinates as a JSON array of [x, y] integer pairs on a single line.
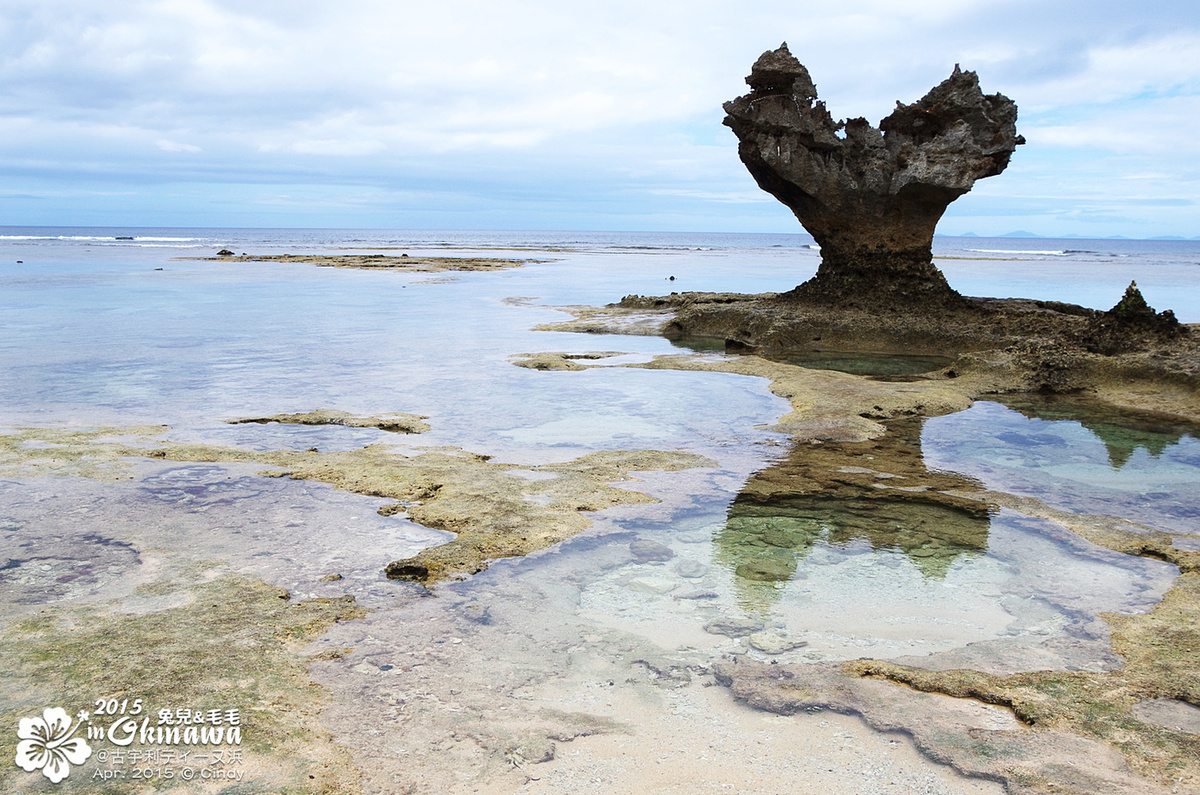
[[871, 197], [1003, 345], [403, 262], [393, 423], [232, 643], [1131, 325]]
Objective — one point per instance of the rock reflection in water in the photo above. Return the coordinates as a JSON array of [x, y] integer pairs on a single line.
[[1122, 431], [879, 492], [765, 542], [1077, 456]]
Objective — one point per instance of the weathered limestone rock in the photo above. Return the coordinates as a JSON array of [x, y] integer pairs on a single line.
[[870, 197], [1130, 325]]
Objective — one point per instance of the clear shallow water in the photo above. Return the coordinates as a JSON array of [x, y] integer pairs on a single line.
[[848, 598], [102, 336], [1075, 457], [92, 333], [91, 328]]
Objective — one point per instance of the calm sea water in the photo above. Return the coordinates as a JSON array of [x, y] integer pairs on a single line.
[[115, 326], [92, 328], [1090, 272], [112, 326]]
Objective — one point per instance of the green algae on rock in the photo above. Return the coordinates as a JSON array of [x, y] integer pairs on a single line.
[[559, 361], [97, 453], [841, 457], [826, 405], [1069, 719], [1002, 345], [393, 423], [975, 738], [1160, 651], [234, 644], [495, 513], [499, 515]]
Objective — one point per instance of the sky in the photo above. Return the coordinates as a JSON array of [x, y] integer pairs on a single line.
[[539, 114]]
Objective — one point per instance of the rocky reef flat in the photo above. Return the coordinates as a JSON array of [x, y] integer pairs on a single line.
[[851, 472], [1141, 359], [399, 262]]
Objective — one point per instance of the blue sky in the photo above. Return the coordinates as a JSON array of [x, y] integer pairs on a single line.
[[544, 115]]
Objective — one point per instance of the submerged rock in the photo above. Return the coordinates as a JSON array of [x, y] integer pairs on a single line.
[[652, 585], [492, 513], [379, 261], [774, 642], [646, 551], [871, 197], [691, 569], [733, 627], [767, 569]]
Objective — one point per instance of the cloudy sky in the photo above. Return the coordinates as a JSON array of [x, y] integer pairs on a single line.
[[539, 114]]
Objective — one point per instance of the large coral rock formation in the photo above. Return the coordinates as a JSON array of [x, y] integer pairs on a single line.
[[870, 197]]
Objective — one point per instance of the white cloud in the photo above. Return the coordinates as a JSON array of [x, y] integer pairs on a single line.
[[336, 148], [531, 95], [723, 198], [1165, 65], [1154, 127], [175, 146]]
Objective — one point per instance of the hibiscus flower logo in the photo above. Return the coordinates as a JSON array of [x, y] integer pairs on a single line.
[[47, 744]]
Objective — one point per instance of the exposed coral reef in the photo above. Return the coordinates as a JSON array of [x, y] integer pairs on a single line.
[[1080, 731], [492, 508], [1002, 345], [1070, 720], [393, 423], [1131, 325], [401, 262]]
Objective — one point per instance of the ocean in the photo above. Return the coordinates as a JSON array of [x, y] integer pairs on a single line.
[[120, 327]]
